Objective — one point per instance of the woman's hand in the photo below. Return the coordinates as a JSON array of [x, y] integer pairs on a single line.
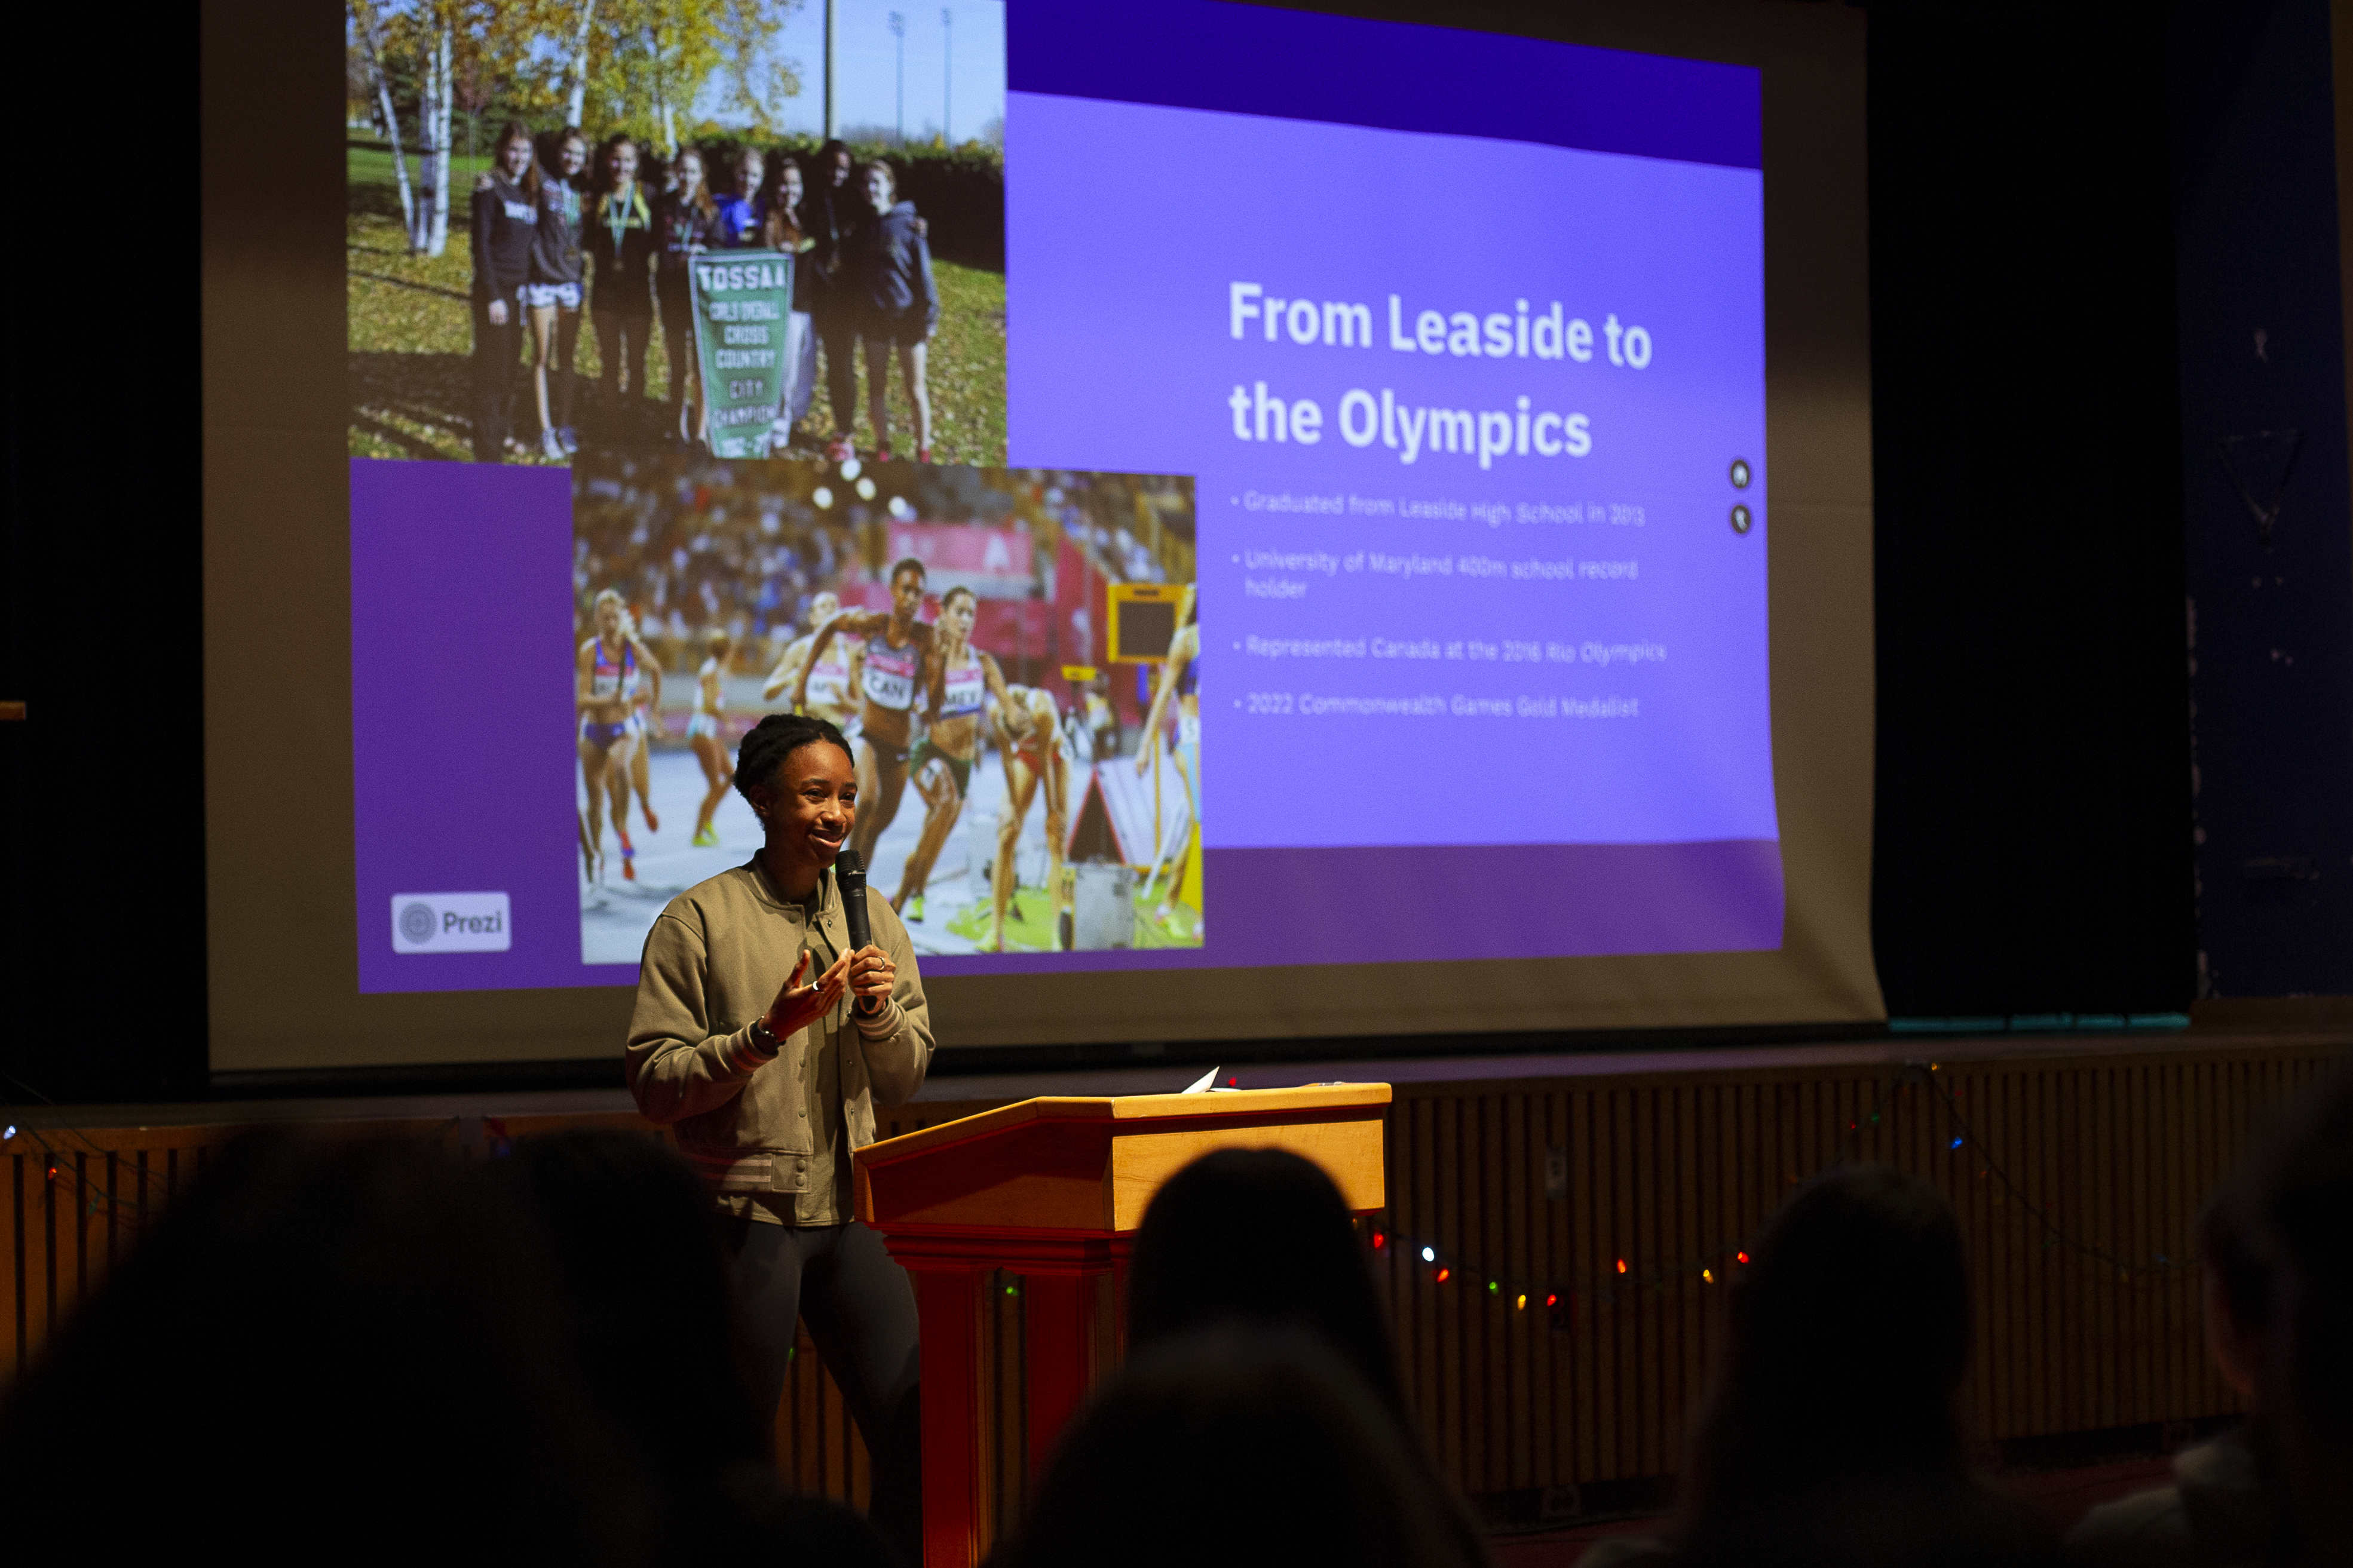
[[798, 1006], [498, 312], [871, 974]]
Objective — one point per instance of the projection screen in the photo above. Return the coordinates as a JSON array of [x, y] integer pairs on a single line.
[[1384, 549]]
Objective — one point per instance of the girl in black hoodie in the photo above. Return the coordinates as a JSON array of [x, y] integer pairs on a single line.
[[505, 221], [897, 305]]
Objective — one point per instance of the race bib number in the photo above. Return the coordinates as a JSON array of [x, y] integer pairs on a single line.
[[828, 689], [888, 688]]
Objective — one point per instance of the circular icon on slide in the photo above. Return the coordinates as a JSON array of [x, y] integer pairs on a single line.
[[1742, 520], [417, 922], [1740, 474]]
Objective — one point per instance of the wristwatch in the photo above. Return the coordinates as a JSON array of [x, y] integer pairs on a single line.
[[763, 1041]]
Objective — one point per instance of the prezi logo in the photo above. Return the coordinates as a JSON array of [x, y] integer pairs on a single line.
[[452, 922]]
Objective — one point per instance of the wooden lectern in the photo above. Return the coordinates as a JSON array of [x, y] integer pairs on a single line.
[[1053, 1190]]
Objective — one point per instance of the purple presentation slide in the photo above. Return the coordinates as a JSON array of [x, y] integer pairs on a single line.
[[1463, 416], [1461, 338]]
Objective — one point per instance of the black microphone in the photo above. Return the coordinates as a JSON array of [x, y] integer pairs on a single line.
[[850, 876]]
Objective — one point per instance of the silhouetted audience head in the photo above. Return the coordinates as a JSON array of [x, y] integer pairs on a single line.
[[653, 1333], [341, 1352], [1237, 1449], [2291, 1205], [1832, 1436], [1259, 1237], [637, 1246]]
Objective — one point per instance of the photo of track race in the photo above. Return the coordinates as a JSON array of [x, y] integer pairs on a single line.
[[1012, 652]]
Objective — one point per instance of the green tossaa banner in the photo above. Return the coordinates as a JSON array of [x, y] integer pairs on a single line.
[[743, 312]]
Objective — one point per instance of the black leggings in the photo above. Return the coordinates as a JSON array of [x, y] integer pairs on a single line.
[[496, 349], [837, 329], [860, 1309]]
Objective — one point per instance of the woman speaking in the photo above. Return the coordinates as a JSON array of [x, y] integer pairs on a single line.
[[767, 1042]]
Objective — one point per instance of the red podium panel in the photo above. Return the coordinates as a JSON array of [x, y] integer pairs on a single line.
[[1053, 1190]]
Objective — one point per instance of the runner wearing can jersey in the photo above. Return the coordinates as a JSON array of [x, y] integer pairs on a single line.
[[896, 663]]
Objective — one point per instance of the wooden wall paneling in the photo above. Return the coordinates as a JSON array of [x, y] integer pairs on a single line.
[[1579, 1390], [2006, 1337], [1533, 1399], [1624, 1350], [2138, 1209], [2090, 1215], [1007, 1382], [1421, 1222], [2018, 1094], [14, 1336], [1557, 1344], [1988, 1379], [1462, 1166], [1645, 1253], [1436, 1223], [1488, 1345], [1463, 1169], [2183, 1132]]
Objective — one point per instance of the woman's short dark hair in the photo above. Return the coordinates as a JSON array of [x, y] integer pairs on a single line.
[[777, 737], [1259, 1237], [908, 563], [1243, 1447], [1831, 1438]]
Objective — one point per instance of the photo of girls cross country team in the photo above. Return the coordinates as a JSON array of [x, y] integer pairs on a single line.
[[518, 257], [1018, 789]]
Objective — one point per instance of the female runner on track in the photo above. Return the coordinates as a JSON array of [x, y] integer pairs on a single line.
[[830, 680], [1033, 754], [964, 678], [612, 665], [897, 653], [1179, 677], [703, 732]]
